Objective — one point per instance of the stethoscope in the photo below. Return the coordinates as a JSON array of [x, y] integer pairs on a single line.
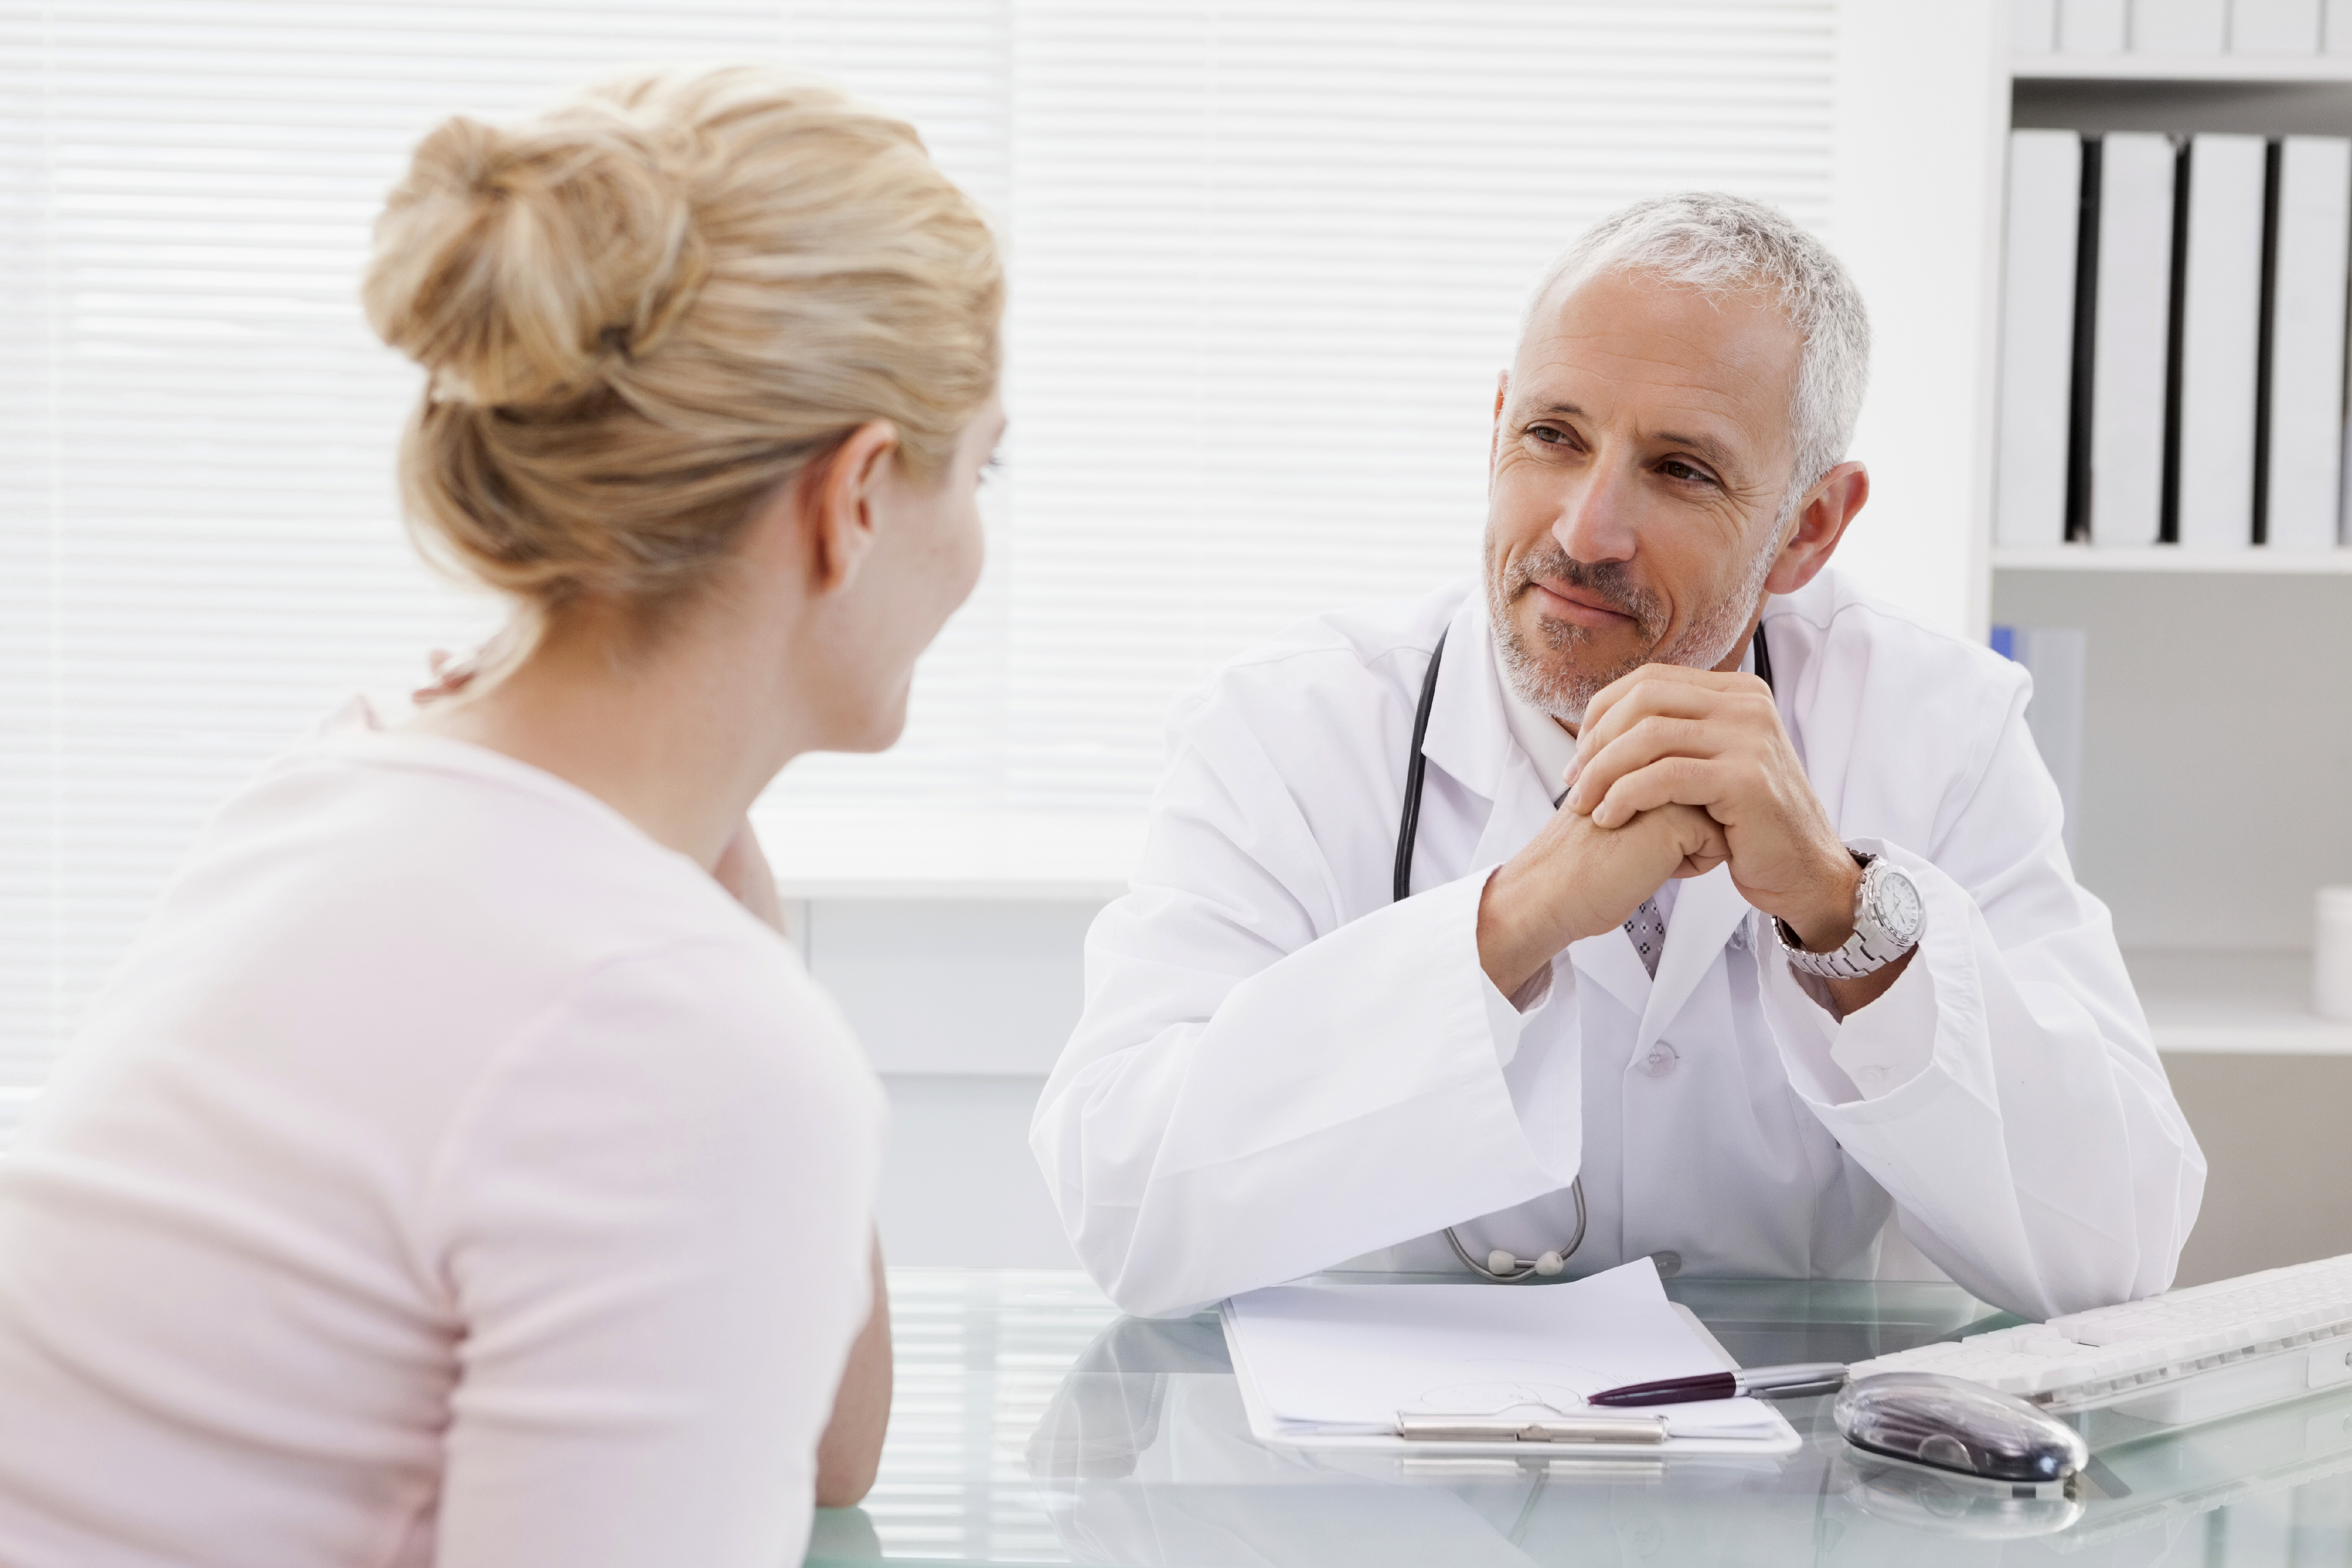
[[1503, 1268]]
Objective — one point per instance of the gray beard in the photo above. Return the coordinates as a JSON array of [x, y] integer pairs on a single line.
[[1555, 685]]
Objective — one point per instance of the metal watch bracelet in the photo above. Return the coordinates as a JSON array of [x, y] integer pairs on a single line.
[[1887, 916]]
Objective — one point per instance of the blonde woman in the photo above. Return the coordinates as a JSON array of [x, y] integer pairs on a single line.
[[454, 1172]]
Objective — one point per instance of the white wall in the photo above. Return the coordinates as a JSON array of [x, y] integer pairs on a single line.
[[959, 1188], [968, 987], [1922, 121], [962, 1004], [2207, 812]]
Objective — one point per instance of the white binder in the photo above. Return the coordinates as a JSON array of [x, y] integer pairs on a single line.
[[2037, 336], [2134, 329], [2091, 27], [2336, 27], [2179, 26], [2032, 27], [2220, 330], [2273, 27], [2307, 296]]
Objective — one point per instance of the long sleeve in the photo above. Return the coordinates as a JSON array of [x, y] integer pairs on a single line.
[[653, 1220], [1247, 1050], [2005, 1091]]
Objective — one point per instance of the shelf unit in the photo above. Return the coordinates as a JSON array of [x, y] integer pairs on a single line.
[[2171, 558], [2219, 692], [2234, 1003], [2206, 69]]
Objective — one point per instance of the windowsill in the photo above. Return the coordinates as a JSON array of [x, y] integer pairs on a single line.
[[913, 853]]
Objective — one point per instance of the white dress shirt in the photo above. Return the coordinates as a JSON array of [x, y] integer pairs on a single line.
[[450, 1174]]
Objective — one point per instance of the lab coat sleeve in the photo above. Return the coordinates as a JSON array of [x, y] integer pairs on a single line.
[[1258, 1084], [2005, 1091]]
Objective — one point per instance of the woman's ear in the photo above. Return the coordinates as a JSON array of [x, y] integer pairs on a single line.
[[838, 499]]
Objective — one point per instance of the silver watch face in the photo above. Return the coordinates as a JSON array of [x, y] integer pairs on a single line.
[[1894, 904]]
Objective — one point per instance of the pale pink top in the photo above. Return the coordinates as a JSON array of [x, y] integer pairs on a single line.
[[450, 1174]]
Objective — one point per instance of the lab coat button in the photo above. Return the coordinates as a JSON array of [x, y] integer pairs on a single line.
[[1670, 1263], [1659, 1060]]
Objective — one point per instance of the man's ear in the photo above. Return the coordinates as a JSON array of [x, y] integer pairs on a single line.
[[837, 503], [1822, 521]]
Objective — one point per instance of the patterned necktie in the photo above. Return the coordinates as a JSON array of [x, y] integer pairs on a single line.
[[1648, 930]]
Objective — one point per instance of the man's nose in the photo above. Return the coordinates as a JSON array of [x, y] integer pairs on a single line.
[[1597, 514]]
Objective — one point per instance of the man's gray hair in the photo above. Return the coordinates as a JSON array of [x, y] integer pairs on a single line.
[[1725, 245]]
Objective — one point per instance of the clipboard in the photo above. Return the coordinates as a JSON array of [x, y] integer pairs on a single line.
[[1576, 1439]]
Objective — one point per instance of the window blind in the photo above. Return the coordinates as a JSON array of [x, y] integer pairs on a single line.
[[1267, 260], [199, 546]]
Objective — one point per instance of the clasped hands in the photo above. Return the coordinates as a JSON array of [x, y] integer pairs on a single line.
[[1677, 771]]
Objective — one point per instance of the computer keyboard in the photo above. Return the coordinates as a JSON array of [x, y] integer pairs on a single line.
[[2112, 1355]]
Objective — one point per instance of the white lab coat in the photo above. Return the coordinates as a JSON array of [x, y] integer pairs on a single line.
[[1280, 1070]]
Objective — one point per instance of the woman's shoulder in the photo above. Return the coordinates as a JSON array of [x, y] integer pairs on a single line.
[[402, 915], [465, 849], [704, 1088]]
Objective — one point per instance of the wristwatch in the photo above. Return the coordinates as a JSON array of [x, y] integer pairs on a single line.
[[1888, 915]]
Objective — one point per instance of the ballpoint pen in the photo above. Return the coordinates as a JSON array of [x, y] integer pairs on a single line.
[[1817, 1375]]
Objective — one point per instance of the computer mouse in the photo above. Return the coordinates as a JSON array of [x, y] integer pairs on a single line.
[[1952, 1423], [1915, 1497]]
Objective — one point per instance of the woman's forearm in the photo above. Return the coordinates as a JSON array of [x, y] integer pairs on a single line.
[[851, 1449]]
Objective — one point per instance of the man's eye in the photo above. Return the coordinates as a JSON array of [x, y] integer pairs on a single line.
[[1545, 433], [1676, 468]]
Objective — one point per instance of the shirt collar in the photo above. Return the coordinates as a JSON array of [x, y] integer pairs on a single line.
[[1547, 745], [1544, 740]]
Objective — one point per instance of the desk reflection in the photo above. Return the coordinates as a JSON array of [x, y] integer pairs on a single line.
[[1035, 1425]]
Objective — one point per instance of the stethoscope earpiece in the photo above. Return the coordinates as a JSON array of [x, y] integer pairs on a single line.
[[1508, 1267], [1499, 1262]]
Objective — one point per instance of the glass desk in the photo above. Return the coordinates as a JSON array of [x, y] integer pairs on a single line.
[[1033, 1423]]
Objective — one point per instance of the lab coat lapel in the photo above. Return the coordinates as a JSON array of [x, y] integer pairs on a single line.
[[1468, 735], [1609, 960], [1481, 737], [1708, 910], [1521, 809]]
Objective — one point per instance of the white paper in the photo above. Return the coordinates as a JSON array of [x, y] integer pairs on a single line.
[[1348, 1359]]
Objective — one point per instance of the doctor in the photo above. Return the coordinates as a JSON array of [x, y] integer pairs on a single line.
[[1739, 931]]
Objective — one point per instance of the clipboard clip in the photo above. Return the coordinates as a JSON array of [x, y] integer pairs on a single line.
[[1643, 1430]]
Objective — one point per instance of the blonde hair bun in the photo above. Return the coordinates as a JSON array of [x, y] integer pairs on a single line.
[[643, 310], [511, 265]]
